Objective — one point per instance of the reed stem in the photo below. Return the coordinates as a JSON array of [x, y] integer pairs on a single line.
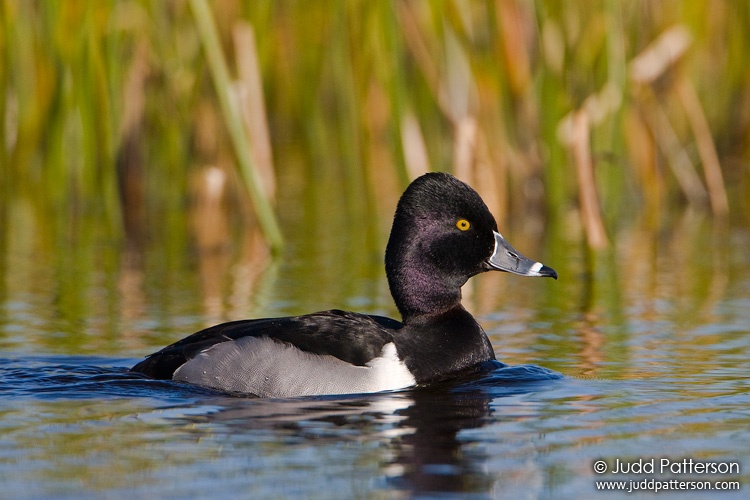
[[209, 38]]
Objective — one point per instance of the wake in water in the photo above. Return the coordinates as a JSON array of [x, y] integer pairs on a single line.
[[78, 377]]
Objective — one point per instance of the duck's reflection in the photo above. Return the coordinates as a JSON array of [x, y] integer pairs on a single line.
[[431, 457], [421, 431]]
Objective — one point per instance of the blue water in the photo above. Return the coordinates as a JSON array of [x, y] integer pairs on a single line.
[[76, 427]]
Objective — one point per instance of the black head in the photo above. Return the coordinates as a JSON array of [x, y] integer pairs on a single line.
[[442, 235]]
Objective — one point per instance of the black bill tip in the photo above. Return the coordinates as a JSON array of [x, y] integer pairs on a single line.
[[547, 271]]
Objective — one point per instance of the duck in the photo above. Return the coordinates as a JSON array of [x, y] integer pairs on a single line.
[[442, 235]]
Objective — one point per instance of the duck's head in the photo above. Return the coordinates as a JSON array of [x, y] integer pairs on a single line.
[[442, 235]]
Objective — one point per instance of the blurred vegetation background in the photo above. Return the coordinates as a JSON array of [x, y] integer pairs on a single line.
[[202, 124], [151, 153]]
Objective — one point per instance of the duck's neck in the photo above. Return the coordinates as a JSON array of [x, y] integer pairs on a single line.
[[418, 294], [418, 287]]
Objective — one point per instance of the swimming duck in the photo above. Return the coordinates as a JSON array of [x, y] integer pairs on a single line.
[[442, 235]]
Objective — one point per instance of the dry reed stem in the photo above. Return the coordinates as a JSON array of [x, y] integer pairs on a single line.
[[490, 177], [134, 95], [464, 142], [660, 55], [642, 153], [717, 194], [418, 47], [252, 104], [131, 176], [415, 150], [650, 65], [210, 222], [209, 219], [588, 196], [513, 22], [677, 158]]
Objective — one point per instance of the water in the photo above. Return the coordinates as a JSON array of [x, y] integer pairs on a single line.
[[645, 357], [73, 424]]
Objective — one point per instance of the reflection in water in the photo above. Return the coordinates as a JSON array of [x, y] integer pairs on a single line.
[[419, 428], [431, 458]]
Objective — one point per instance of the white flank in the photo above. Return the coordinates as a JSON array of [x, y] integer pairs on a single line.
[[261, 366]]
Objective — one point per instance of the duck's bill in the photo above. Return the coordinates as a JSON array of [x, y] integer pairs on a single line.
[[506, 258]]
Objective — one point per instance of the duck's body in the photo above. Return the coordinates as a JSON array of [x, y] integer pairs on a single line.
[[329, 352], [442, 235]]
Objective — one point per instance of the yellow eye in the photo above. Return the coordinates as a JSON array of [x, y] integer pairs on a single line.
[[463, 224]]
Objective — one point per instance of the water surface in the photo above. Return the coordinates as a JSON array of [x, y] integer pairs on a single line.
[[644, 354]]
